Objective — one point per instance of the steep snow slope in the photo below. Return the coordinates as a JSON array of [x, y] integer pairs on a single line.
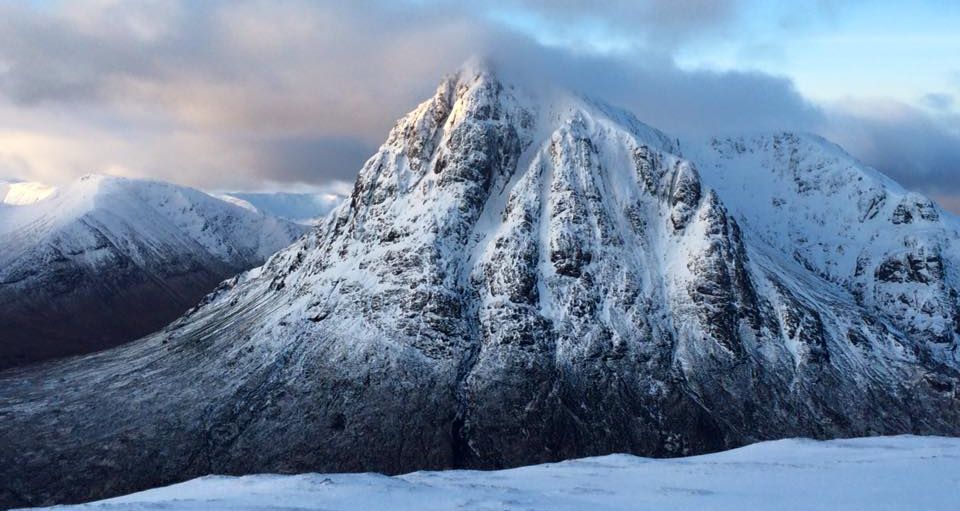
[[106, 260], [517, 277], [869, 474], [303, 208]]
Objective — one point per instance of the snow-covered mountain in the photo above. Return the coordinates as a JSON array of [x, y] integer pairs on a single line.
[[805, 201], [518, 277], [302, 208], [868, 474], [106, 260]]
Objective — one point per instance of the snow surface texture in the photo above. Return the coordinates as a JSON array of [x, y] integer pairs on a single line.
[[868, 474], [107, 259], [521, 277], [302, 208]]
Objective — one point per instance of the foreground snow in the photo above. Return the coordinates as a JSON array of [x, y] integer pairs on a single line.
[[895, 473], [105, 260]]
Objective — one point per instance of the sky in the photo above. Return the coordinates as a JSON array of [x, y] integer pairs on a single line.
[[295, 95]]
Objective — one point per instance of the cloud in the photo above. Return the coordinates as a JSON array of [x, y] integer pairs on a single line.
[[644, 23], [683, 103], [296, 159], [669, 15], [73, 54], [938, 101], [236, 90], [233, 95], [919, 150]]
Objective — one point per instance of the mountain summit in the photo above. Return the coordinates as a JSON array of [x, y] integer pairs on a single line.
[[517, 278]]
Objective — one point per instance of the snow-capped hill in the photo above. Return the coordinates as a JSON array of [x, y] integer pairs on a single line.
[[142, 215], [895, 251], [107, 259], [517, 277], [302, 208]]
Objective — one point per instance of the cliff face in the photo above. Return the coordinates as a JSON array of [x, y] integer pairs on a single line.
[[514, 279]]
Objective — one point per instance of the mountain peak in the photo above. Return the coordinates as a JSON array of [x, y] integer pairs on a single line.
[[106, 260]]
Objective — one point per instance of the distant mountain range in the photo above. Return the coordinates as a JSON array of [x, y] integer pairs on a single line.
[[105, 260], [518, 276]]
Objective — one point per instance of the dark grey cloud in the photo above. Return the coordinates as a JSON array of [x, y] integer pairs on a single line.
[[68, 56], [920, 151], [685, 103], [296, 159]]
